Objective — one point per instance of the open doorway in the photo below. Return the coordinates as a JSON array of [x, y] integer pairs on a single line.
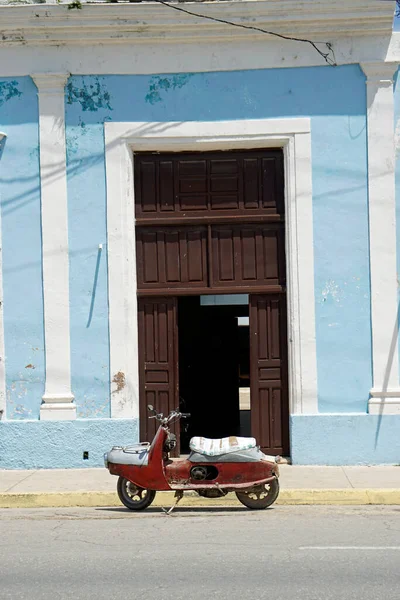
[[214, 366]]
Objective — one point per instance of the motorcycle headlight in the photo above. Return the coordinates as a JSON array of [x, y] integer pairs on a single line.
[[105, 460]]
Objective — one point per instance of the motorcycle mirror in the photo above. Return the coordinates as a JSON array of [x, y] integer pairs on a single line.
[[150, 407]]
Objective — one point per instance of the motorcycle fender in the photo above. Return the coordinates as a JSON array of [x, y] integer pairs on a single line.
[[146, 477]]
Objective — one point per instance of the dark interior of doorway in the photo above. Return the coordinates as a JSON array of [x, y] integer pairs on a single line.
[[214, 362]]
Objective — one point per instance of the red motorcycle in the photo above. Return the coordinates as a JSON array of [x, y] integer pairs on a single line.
[[213, 468]]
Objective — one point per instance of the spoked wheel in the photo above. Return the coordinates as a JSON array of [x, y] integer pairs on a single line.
[[133, 496], [261, 496]]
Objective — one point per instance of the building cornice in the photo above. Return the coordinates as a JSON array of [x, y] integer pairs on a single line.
[[379, 72], [50, 83], [48, 24]]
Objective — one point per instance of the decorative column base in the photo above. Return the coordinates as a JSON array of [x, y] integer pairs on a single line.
[[58, 407], [384, 403]]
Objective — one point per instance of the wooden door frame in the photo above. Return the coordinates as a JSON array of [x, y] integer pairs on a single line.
[[121, 141]]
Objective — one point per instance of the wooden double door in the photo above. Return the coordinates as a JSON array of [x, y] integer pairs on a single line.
[[213, 223], [159, 368]]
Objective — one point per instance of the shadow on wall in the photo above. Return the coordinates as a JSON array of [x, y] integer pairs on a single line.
[[75, 167], [2, 144], [316, 91], [392, 352]]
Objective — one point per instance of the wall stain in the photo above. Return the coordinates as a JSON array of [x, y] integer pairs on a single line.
[[30, 366], [119, 380], [73, 138], [90, 408], [91, 97], [34, 153], [20, 411], [8, 90], [164, 84]]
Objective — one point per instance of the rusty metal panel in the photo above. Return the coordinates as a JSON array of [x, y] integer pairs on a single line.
[[158, 360], [169, 257], [247, 255], [268, 366]]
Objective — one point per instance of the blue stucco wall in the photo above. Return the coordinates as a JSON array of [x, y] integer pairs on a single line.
[[21, 241], [356, 439], [50, 445], [88, 263], [335, 99]]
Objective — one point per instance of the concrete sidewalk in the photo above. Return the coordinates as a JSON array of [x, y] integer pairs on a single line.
[[299, 485]]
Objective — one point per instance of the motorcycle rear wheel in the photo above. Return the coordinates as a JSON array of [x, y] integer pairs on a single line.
[[260, 497], [133, 496]]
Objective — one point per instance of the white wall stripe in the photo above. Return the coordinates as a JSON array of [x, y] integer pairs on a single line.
[[122, 139], [57, 400], [385, 394]]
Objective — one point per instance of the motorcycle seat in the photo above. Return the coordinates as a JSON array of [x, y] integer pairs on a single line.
[[217, 447]]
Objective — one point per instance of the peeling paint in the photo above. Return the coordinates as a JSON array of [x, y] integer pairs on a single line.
[[331, 291], [90, 408], [72, 140], [164, 84], [119, 380], [8, 90], [91, 97], [20, 411]]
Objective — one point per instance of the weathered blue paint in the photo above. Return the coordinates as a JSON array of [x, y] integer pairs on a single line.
[[61, 444], [21, 241], [335, 100], [356, 439], [88, 264], [159, 84], [8, 90], [91, 96]]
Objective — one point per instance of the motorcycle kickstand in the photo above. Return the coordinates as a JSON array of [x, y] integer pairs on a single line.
[[178, 496]]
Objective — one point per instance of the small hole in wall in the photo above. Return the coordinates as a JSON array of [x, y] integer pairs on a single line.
[[85, 455]]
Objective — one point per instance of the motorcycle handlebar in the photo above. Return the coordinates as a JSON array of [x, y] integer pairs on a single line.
[[172, 416]]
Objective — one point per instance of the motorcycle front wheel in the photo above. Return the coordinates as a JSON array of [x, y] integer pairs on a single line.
[[261, 496], [133, 496]]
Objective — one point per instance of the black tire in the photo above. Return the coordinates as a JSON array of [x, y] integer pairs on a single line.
[[260, 497], [128, 491]]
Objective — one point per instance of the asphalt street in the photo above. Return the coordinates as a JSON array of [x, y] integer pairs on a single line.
[[307, 553]]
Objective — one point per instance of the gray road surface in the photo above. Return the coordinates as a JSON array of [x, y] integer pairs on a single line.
[[305, 553]]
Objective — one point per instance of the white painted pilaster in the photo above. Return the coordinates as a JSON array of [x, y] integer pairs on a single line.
[[58, 400], [2, 357], [385, 394]]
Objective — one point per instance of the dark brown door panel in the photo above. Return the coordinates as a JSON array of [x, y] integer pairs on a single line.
[[158, 360], [247, 255], [191, 185], [268, 366], [171, 257]]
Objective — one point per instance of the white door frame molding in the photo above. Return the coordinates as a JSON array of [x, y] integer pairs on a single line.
[[385, 393], [122, 140], [58, 400]]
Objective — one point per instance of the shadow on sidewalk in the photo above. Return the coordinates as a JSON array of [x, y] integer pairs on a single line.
[[184, 509]]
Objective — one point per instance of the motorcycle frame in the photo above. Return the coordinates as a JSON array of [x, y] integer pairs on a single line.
[[164, 474]]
